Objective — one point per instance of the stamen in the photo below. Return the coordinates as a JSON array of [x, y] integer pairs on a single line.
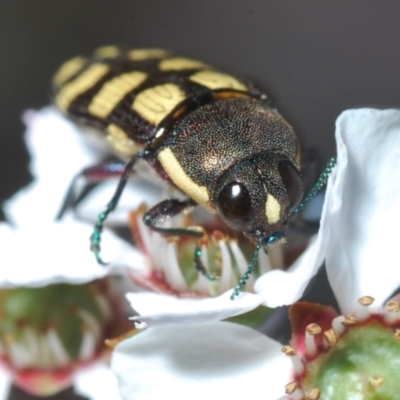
[[311, 331], [391, 313], [91, 322], [32, 343], [314, 394], [362, 310], [298, 365], [227, 276], [276, 254], [239, 287], [58, 351], [104, 305], [294, 392], [88, 345], [264, 263], [331, 338], [45, 359], [20, 357], [338, 325], [173, 274], [397, 335], [350, 319], [377, 381]]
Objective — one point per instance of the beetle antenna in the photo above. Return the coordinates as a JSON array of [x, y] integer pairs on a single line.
[[317, 187], [243, 280]]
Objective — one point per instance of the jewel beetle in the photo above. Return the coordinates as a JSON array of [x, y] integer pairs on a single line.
[[210, 134]]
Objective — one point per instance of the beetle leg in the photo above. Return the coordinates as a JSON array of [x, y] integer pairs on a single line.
[[95, 239], [169, 208], [93, 175]]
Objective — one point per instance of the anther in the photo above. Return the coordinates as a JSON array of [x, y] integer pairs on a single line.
[[362, 310], [366, 300], [298, 365], [391, 313], [376, 381], [311, 331], [350, 319], [314, 394], [397, 335], [338, 325], [331, 337], [293, 391], [217, 236], [290, 387]]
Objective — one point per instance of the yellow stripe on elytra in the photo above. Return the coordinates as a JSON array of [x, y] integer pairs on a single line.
[[155, 103], [217, 80], [179, 64], [272, 210], [80, 84], [144, 54], [120, 141], [113, 91], [68, 69], [107, 52], [181, 179]]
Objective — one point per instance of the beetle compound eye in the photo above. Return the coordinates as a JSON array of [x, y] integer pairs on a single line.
[[293, 183], [235, 204]]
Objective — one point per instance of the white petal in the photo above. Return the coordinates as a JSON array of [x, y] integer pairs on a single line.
[[358, 231], [363, 255], [58, 152], [58, 252], [159, 309], [5, 383], [206, 361], [97, 382], [278, 288]]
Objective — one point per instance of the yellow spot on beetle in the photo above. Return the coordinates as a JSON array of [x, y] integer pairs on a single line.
[[155, 103], [107, 52], [68, 69], [217, 80], [179, 64], [113, 92], [144, 54], [80, 84], [120, 141], [272, 210], [181, 179]]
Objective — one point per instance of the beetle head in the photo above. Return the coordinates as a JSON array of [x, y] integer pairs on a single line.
[[257, 196]]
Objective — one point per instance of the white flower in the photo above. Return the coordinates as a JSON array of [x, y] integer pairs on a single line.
[[357, 240], [55, 307], [360, 220], [36, 249]]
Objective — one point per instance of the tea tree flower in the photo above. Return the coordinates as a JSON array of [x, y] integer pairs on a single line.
[[57, 304], [353, 355], [331, 356]]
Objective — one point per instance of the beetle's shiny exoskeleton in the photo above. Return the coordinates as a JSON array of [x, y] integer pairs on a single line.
[[208, 133]]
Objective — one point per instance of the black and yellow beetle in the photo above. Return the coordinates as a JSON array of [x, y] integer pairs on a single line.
[[211, 135]]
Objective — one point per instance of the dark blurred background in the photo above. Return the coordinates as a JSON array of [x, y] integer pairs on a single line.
[[316, 58]]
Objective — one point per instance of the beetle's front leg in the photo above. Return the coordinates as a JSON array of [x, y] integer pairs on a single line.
[[169, 208]]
